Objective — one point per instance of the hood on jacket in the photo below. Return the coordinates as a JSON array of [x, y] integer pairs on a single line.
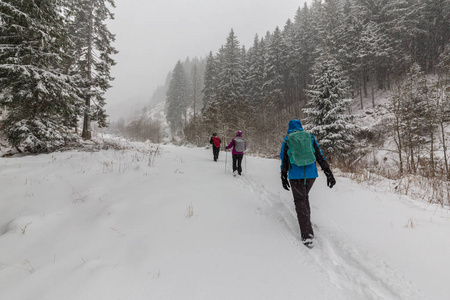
[[239, 133], [294, 125]]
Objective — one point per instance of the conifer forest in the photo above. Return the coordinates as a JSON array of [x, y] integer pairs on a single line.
[[318, 68], [325, 67], [55, 62]]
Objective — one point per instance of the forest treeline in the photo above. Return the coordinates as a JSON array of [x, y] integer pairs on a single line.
[[330, 57], [55, 62], [56, 56]]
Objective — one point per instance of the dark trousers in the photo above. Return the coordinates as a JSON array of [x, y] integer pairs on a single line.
[[300, 190], [237, 162], [215, 152]]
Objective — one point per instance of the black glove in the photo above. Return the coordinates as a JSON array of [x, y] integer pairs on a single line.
[[285, 181], [330, 178]]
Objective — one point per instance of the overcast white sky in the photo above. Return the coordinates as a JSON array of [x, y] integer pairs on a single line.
[[152, 35]]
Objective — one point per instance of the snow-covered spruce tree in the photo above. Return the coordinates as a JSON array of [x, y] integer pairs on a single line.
[[210, 81], [374, 51], [256, 73], [327, 115], [436, 20], [273, 76], [349, 36], [245, 76], [290, 89], [193, 129], [195, 88], [210, 110], [92, 56], [306, 41], [38, 94], [230, 82], [177, 99], [330, 26], [231, 71]]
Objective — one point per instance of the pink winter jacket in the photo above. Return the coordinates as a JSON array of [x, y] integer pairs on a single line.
[[231, 144]]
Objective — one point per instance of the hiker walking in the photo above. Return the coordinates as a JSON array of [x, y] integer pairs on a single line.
[[215, 141], [299, 153], [239, 146]]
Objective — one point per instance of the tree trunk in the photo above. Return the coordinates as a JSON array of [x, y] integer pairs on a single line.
[[364, 83], [433, 166], [411, 149], [361, 96], [86, 134], [388, 81], [432, 117], [399, 145], [444, 144], [397, 130], [372, 89]]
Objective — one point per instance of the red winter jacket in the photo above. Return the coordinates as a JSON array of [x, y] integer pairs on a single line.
[[215, 140]]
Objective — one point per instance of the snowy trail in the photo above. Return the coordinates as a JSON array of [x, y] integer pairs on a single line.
[[106, 225], [346, 266], [133, 225]]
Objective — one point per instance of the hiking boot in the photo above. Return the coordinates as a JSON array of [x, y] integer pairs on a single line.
[[308, 243], [235, 173]]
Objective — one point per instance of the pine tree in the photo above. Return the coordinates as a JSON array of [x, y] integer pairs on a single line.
[[374, 51], [177, 99], [378, 54], [291, 93], [305, 44], [195, 87], [273, 76], [435, 20], [331, 25], [399, 21], [39, 95], [256, 73], [245, 76], [349, 36], [231, 72], [230, 97], [212, 112], [327, 116], [210, 81], [92, 56]]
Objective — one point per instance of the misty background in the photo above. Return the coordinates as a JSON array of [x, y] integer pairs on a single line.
[[152, 36]]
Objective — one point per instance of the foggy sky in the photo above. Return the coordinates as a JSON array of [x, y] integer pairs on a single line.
[[152, 35]]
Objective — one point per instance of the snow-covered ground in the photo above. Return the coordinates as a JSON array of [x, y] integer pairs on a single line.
[[172, 224]]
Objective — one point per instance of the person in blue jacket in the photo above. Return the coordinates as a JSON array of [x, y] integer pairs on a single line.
[[301, 179]]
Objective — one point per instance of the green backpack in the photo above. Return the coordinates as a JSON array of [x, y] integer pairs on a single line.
[[301, 150]]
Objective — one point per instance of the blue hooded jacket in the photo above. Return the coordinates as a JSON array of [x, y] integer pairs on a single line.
[[296, 172]]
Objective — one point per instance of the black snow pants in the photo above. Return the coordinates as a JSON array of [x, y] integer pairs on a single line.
[[216, 151], [237, 163], [300, 190]]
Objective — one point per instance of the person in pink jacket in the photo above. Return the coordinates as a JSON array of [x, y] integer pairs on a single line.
[[239, 146]]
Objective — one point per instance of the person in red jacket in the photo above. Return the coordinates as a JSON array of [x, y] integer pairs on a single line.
[[215, 141]]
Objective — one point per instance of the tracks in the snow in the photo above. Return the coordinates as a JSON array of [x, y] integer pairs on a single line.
[[356, 272]]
